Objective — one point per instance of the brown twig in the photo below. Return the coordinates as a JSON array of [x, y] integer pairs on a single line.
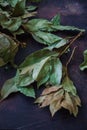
[[73, 40], [70, 58]]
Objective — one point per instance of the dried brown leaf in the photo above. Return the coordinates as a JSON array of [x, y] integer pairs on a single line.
[[67, 103], [54, 107], [47, 100], [40, 99], [50, 90]]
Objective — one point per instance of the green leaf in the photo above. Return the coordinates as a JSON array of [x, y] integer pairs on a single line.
[[41, 66], [19, 8], [83, 66], [28, 15], [31, 8], [8, 88], [24, 76], [37, 57], [13, 2], [56, 20], [3, 3], [44, 53], [8, 49], [34, 25], [38, 66], [67, 28], [58, 45], [27, 91], [56, 72], [31, 73], [45, 38], [41, 72], [67, 83], [11, 24]]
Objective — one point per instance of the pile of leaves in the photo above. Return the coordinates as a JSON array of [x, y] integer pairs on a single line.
[[44, 66]]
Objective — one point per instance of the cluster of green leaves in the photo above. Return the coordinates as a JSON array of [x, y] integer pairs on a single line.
[[14, 17], [44, 66]]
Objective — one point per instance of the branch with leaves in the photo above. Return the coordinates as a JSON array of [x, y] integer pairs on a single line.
[[44, 66]]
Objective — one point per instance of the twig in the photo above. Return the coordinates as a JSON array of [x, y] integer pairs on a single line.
[[71, 56], [73, 40]]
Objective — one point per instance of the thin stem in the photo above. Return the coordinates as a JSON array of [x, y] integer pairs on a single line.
[[71, 43], [69, 60]]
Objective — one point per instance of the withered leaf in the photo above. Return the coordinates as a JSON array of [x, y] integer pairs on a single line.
[[54, 107], [59, 98], [49, 90], [67, 103]]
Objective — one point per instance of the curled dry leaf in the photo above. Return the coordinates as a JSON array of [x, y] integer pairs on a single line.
[[56, 98]]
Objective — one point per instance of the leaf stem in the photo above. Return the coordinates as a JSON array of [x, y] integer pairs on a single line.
[[69, 60], [73, 40]]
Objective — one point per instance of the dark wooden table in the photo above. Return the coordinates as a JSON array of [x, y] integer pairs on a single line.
[[18, 112]]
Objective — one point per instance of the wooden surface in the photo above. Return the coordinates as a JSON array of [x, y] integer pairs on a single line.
[[18, 112]]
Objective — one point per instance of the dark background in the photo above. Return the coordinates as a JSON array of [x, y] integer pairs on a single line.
[[18, 112]]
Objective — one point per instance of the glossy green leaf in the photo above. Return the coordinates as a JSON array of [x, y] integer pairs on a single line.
[[83, 66]]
